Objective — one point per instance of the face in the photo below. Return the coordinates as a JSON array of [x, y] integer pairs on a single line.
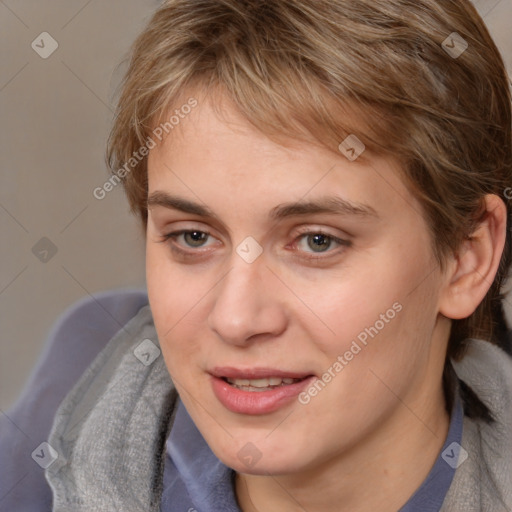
[[267, 262]]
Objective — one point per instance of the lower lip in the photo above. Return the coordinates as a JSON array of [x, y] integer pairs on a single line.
[[257, 402]]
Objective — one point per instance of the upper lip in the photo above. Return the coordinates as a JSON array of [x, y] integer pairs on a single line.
[[255, 373]]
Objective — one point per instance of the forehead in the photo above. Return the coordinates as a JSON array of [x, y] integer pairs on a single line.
[[217, 158]]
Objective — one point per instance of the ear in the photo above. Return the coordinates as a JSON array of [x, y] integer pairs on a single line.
[[471, 271]]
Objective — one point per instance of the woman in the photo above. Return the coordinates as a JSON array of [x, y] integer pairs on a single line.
[[322, 188]]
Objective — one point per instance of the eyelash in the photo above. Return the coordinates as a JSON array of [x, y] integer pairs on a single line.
[[170, 239]]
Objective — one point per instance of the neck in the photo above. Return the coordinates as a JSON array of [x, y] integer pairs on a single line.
[[381, 473]]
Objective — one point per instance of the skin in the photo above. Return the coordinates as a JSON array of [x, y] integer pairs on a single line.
[[370, 437]]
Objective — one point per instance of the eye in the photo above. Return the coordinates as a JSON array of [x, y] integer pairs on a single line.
[[318, 242], [192, 238]]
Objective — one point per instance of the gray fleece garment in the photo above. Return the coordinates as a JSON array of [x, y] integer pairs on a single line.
[[110, 432]]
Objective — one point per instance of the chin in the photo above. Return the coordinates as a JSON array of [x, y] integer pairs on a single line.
[[244, 456]]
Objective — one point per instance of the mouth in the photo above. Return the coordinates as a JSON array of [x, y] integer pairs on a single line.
[[257, 391]]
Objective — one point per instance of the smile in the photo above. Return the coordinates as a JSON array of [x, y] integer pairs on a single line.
[[257, 391]]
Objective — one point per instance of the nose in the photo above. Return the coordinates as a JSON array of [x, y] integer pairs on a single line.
[[247, 305]]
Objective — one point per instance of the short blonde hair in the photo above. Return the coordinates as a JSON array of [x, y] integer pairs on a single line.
[[293, 68]]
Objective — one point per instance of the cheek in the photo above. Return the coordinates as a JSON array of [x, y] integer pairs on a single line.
[[174, 302], [171, 291], [381, 313]]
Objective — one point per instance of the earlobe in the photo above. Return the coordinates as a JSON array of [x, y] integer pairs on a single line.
[[472, 271]]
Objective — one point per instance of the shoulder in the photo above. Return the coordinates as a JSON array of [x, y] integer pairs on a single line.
[[488, 370], [484, 477], [124, 402], [75, 340]]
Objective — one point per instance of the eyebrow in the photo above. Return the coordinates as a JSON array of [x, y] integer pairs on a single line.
[[327, 205]]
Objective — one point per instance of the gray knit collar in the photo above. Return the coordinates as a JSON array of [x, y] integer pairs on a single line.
[[111, 429]]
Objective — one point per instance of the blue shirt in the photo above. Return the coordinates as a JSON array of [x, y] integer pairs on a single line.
[[196, 480]]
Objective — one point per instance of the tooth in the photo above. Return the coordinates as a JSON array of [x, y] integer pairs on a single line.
[[239, 382], [261, 383]]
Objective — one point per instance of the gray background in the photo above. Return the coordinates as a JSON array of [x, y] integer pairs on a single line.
[[55, 115]]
